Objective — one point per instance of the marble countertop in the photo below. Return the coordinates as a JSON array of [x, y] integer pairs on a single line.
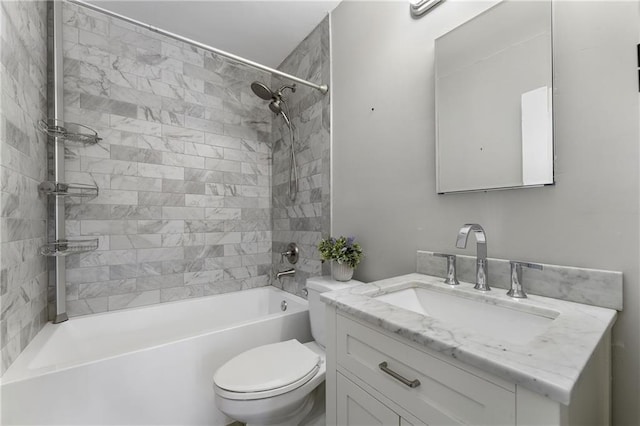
[[549, 364]]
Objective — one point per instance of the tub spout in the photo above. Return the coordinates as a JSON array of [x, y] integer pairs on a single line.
[[286, 272]]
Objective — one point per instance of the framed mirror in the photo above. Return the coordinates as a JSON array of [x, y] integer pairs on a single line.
[[494, 89]]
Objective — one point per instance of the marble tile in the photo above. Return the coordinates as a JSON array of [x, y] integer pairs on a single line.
[[199, 200], [136, 212], [161, 226], [186, 213], [139, 155], [136, 241], [133, 300], [87, 275], [87, 306], [185, 166], [161, 281], [179, 293], [211, 176], [110, 227], [106, 288], [23, 281], [203, 251], [183, 186], [203, 150], [307, 219], [204, 225], [160, 171], [182, 160], [178, 240], [202, 277], [161, 198], [160, 254], [101, 258]]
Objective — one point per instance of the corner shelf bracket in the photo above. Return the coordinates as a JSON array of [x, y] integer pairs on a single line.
[[60, 189], [69, 132], [67, 247]]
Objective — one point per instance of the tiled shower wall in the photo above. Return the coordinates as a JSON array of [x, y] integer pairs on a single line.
[[23, 160], [306, 219], [183, 168]]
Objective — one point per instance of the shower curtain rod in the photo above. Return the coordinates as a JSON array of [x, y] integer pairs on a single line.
[[323, 88]]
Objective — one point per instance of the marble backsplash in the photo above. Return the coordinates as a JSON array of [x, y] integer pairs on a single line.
[[306, 220], [184, 168], [23, 164], [589, 286]]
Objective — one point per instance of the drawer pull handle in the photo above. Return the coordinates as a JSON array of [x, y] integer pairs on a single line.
[[411, 383]]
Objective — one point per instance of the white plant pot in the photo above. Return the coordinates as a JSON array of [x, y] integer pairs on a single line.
[[341, 271]]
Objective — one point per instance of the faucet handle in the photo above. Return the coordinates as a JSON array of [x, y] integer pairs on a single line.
[[451, 268], [516, 289], [292, 254]]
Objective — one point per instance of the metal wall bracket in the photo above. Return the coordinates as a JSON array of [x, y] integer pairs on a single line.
[[60, 189], [67, 247]]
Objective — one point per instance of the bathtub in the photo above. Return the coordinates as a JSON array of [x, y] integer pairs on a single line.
[[144, 366]]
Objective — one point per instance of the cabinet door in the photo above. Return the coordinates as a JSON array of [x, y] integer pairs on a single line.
[[357, 408]]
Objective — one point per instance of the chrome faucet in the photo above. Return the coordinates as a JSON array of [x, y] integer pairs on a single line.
[[451, 268], [285, 273], [482, 273], [516, 291]]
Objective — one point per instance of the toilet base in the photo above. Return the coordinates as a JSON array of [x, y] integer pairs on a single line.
[[310, 413], [317, 415]]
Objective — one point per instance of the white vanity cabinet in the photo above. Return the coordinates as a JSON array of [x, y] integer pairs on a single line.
[[359, 392], [357, 407]]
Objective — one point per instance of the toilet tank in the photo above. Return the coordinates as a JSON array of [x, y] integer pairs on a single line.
[[315, 286]]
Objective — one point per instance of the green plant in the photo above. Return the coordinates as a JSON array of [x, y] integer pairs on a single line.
[[342, 250]]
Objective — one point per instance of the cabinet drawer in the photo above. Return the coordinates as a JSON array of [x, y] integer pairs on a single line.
[[446, 394]]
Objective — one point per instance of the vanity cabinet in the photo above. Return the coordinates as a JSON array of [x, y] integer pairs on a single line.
[[357, 407], [449, 392]]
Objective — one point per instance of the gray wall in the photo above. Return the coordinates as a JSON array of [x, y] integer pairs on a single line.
[[184, 168], [306, 219], [384, 165], [23, 161]]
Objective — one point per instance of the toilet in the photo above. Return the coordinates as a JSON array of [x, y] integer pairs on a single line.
[[280, 383]]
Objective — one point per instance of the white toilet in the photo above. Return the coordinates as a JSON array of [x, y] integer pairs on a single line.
[[280, 383]]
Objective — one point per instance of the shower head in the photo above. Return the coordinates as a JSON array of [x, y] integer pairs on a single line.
[[277, 102], [276, 106], [262, 91]]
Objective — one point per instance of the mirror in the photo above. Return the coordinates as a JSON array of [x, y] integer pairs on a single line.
[[494, 100]]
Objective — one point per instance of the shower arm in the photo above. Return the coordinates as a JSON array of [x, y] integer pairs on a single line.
[[322, 88], [292, 88]]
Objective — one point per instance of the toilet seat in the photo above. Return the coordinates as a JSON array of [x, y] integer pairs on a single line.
[[267, 371]]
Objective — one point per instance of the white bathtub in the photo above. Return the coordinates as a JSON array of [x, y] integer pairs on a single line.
[[145, 366]]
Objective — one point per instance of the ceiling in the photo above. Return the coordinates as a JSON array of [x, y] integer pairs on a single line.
[[263, 31]]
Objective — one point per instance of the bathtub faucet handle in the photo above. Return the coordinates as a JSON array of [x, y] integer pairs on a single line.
[[291, 254]]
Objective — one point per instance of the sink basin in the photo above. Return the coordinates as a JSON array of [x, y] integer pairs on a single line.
[[506, 321]]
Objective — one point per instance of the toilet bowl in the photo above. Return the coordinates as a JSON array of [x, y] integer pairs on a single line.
[[280, 383]]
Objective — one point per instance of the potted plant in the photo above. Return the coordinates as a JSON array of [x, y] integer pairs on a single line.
[[344, 253]]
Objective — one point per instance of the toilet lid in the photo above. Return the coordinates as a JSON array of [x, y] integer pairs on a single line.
[[267, 367]]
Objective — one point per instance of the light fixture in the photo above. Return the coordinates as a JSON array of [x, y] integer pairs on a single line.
[[422, 7]]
